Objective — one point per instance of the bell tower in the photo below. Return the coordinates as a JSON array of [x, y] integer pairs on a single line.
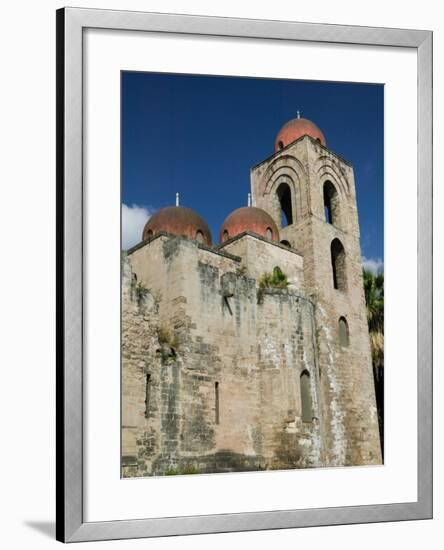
[[309, 191]]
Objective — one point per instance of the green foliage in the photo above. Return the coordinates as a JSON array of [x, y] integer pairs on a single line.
[[188, 469], [275, 279], [172, 472], [141, 291], [374, 300]]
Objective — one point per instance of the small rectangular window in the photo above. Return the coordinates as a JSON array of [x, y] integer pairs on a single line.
[[343, 332], [147, 394], [216, 399]]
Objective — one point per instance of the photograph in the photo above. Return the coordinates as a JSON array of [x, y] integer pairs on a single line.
[[235, 225], [252, 276]]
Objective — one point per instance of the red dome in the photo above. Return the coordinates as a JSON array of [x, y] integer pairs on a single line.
[[249, 218], [296, 128], [178, 220]]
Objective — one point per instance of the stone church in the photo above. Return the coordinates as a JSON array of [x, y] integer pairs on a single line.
[[222, 372]]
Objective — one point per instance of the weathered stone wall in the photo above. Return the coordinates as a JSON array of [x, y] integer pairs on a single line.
[[287, 348], [259, 256], [141, 435], [225, 375], [348, 417]]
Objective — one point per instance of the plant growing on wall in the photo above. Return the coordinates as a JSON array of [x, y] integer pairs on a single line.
[[141, 291], [185, 470], [275, 279]]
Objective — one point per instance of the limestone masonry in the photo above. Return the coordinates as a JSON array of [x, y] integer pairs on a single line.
[[223, 372]]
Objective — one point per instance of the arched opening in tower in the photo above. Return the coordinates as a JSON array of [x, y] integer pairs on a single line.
[[283, 193], [338, 265], [331, 203], [344, 338]]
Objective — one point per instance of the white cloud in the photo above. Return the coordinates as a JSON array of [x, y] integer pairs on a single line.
[[375, 265], [134, 219]]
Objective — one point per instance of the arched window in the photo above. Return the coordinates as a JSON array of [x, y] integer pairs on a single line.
[[147, 394], [216, 402], [269, 233], [338, 265], [225, 235], [331, 203], [306, 406], [199, 236], [283, 193], [280, 145], [343, 332], [149, 234], [286, 243]]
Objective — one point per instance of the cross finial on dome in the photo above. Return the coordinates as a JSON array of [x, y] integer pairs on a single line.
[[177, 199], [298, 113], [249, 199]]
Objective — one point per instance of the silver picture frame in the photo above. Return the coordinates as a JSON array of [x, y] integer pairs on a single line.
[[71, 24]]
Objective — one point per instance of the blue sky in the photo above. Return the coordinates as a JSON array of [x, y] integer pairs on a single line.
[[199, 135]]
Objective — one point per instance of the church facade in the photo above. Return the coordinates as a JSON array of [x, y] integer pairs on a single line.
[[225, 369]]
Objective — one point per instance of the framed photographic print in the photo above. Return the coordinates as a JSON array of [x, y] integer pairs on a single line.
[[237, 202]]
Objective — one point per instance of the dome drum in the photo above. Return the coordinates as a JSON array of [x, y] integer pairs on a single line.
[[178, 220], [252, 219]]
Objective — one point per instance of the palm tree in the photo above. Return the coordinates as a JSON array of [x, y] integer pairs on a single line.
[[374, 299]]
